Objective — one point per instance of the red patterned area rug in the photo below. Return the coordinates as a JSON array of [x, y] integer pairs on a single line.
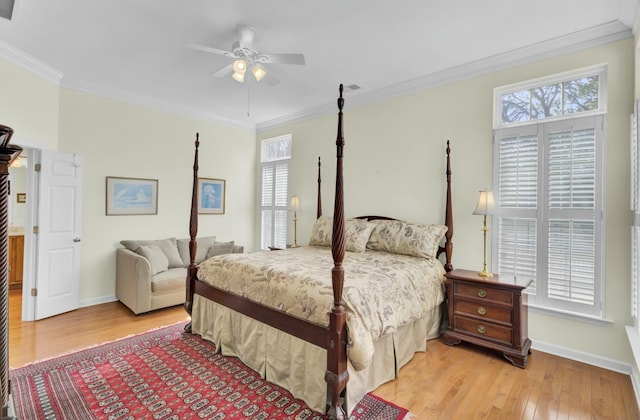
[[162, 374]]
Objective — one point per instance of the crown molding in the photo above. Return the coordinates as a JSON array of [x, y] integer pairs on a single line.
[[597, 35], [29, 63], [143, 101]]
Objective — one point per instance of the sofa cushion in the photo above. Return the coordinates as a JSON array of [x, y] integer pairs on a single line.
[[220, 248], [204, 243], [169, 281], [156, 257], [168, 246]]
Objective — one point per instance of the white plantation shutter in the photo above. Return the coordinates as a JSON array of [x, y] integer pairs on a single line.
[[274, 192], [549, 211], [571, 205], [274, 214]]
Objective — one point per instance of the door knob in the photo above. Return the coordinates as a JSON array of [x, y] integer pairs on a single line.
[[76, 239]]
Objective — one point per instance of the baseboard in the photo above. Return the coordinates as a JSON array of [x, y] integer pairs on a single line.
[[97, 301], [590, 359]]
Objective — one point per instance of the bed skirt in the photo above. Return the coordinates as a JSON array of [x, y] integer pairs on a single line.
[[299, 366]]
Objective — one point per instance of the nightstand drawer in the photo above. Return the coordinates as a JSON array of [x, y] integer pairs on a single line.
[[481, 292], [491, 313], [485, 330]]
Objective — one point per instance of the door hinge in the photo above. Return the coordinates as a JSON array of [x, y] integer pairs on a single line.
[[37, 167], [36, 229], [34, 292]]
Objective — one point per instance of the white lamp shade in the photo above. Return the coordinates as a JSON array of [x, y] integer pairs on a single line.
[[240, 66], [295, 203], [258, 72], [239, 69], [239, 77], [485, 204]]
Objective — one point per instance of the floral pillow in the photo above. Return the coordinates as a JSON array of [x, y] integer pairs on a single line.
[[412, 239], [322, 231], [357, 233]]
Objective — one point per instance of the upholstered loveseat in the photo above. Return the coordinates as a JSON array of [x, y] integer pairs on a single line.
[[151, 274]]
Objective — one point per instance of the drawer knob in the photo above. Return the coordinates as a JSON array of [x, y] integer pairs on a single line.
[[482, 329], [482, 310], [482, 293]]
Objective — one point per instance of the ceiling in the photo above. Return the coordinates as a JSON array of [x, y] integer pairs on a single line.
[[134, 49]]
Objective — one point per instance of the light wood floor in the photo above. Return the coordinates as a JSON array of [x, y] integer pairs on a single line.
[[461, 382]]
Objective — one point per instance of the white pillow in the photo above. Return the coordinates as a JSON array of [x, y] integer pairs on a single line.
[[156, 257]]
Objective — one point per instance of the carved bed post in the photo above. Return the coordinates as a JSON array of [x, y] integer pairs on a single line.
[[8, 153], [192, 270], [448, 246], [337, 375], [319, 210]]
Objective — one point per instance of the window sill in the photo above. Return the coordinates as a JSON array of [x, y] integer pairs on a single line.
[[589, 319]]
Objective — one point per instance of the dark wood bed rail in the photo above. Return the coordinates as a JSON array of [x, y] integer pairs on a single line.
[[333, 338]]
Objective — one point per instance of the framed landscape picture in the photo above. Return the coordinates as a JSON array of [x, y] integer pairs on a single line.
[[131, 196], [211, 194]]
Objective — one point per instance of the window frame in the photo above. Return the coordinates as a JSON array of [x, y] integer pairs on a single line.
[[538, 296], [273, 164], [599, 70]]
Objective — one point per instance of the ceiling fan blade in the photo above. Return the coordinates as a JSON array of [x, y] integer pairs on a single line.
[[223, 71], [282, 58], [245, 35], [209, 50], [272, 80]]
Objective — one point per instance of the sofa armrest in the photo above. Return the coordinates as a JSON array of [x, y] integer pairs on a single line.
[[238, 249], [133, 280]]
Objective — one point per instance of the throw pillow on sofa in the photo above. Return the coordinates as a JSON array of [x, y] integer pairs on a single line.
[[156, 258], [168, 246], [203, 245], [219, 248]]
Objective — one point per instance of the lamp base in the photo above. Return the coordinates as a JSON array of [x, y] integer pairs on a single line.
[[485, 273]]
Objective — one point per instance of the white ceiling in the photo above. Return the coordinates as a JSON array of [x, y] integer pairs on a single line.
[[134, 49]]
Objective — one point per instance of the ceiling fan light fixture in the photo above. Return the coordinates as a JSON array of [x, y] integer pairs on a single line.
[[239, 77], [240, 66], [239, 69], [258, 72]]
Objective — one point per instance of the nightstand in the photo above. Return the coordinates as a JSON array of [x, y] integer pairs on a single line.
[[488, 312]]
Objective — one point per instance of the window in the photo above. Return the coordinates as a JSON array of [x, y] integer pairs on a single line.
[[548, 188], [274, 191]]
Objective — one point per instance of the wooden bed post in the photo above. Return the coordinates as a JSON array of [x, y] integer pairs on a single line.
[[319, 202], [448, 246], [8, 153], [336, 375], [192, 270]]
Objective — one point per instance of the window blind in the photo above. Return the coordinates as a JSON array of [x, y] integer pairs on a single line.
[[549, 211], [274, 204]]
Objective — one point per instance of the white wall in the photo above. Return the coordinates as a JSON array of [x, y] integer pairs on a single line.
[[119, 139], [394, 166]]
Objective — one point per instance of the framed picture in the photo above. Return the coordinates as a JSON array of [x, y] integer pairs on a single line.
[[21, 197], [211, 196], [130, 196]]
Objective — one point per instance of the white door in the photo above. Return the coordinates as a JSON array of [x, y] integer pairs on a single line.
[[57, 274]]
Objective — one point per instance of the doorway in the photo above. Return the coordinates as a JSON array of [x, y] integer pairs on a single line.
[[18, 210]]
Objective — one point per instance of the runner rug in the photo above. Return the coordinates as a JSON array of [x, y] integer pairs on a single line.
[[161, 374]]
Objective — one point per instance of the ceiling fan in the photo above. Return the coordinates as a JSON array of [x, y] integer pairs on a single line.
[[246, 56]]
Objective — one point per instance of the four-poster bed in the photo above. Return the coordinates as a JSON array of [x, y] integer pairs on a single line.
[[273, 314]]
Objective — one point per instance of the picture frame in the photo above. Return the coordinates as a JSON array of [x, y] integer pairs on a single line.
[[21, 197], [131, 196], [211, 196]]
